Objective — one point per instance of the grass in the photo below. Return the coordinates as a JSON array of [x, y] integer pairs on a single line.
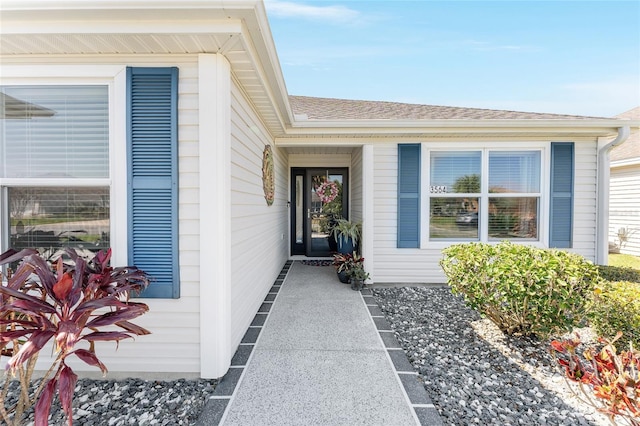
[[624, 261]]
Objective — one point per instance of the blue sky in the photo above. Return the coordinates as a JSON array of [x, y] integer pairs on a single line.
[[568, 57]]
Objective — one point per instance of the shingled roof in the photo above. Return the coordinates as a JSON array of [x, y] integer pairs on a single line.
[[631, 147], [330, 109]]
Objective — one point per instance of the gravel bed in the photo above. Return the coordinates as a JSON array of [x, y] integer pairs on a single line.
[[134, 402], [473, 372]]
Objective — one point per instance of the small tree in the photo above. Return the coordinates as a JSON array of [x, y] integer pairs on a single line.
[[68, 302], [467, 184]]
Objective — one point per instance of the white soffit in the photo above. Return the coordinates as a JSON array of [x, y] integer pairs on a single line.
[[237, 29]]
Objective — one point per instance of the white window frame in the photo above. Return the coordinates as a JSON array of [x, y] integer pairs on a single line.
[[114, 77], [544, 147]]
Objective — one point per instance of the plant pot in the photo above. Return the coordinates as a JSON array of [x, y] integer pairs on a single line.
[[345, 245], [333, 244], [357, 284], [342, 276]]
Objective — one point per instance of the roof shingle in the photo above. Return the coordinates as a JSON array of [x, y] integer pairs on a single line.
[[631, 147], [345, 109]]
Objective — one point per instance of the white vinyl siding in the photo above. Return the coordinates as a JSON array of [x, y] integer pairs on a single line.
[[405, 265], [173, 323], [624, 206], [584, 217], [259, 233], [355, 196]]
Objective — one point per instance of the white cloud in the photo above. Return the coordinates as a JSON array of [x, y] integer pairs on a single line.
[[334, 14]]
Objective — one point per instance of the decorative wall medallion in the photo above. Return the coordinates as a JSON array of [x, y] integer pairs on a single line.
[[268, 179]]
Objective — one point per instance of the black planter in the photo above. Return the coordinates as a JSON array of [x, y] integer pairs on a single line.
[[342, 276], [333, 244], [345, 245]]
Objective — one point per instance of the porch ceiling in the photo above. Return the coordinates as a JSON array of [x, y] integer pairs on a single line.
[[319, 150]]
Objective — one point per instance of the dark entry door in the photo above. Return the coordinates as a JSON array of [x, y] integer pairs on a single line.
[[319, 196]]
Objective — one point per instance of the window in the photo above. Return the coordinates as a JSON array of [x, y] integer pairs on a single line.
[[54, 167], [74, 174], [484, 195]]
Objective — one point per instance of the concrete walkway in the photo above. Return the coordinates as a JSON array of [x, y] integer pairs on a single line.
[[317, 357]]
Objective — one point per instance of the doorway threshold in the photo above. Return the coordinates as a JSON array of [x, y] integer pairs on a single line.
[[303, 257]]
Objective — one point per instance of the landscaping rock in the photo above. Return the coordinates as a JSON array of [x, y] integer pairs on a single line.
[[134, 402], [472, 371]]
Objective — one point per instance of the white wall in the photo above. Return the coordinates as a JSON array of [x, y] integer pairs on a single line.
[[585, 199], [624, 206], [259, 233], [393, 265], [356, 188], [259, 245], [173, 346]]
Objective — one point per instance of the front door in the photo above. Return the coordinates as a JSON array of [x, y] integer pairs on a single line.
[[319, 196]]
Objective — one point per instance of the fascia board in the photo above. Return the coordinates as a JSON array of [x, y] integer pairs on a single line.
[[128, 4], [479, 123], [266, 74], [123, 27], [397, 127], [261, 30], [259, 44], [67, 17]]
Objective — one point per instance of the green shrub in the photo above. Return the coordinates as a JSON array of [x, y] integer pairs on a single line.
[[616, 308], [618, 273], [522, 289]]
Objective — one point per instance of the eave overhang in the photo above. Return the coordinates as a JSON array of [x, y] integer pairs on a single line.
[[305, 132], [239, 30]]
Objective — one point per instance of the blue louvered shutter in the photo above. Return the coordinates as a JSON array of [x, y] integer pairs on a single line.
[[561, 206], [152, 157], [408, 195]]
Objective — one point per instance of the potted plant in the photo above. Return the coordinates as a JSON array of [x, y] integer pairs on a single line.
[[358, 275], [332, 220], [347, 234], [344, 263]]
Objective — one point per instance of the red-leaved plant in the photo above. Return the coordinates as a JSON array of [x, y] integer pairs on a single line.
[[345, 262], [612, 376], [69, 302]]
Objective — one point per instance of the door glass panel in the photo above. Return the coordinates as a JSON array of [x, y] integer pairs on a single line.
[[326, 207], [299, 210]]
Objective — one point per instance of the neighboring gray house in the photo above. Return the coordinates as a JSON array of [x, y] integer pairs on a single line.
[[161, 126], [624, 192]]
